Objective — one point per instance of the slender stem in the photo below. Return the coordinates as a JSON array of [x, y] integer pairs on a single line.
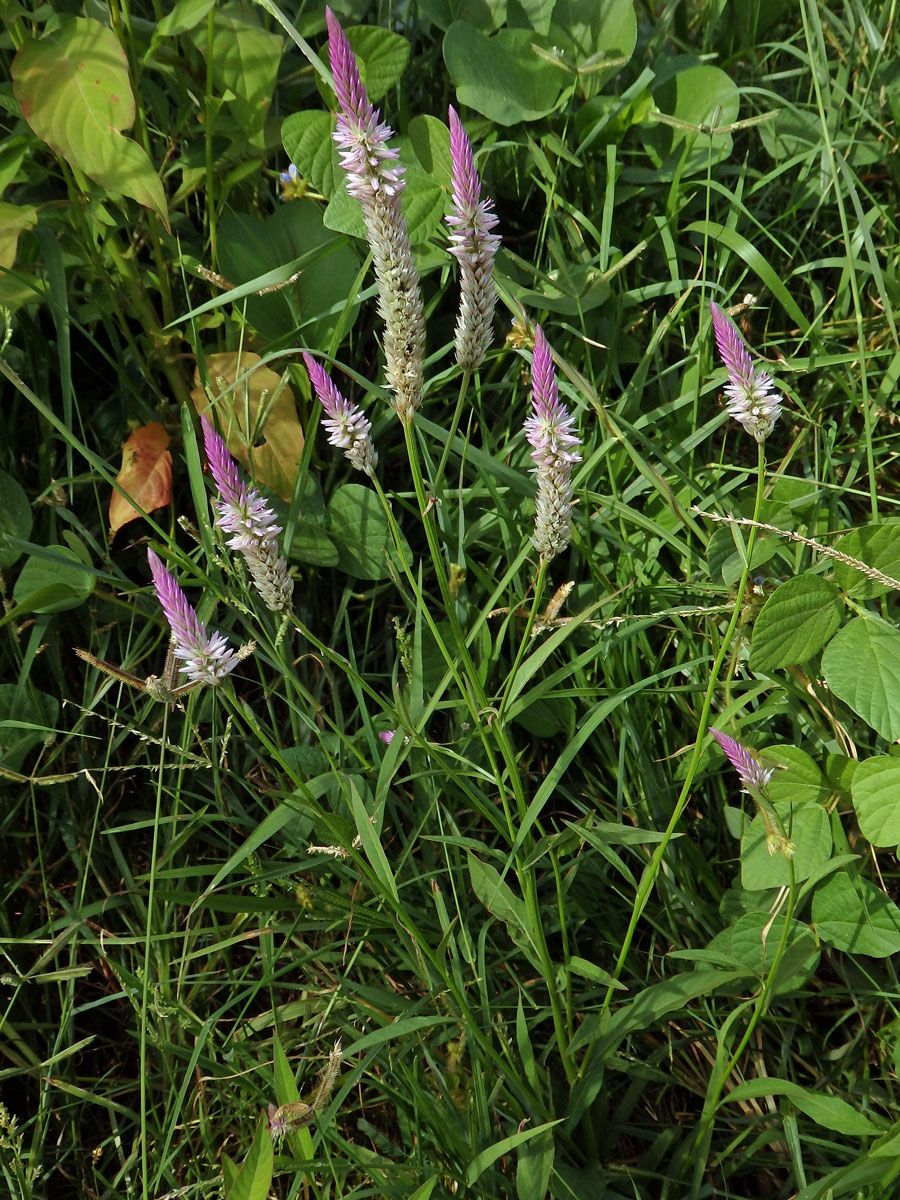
[[454, 426], [209, 120], [526, 636], [524, 875], [145, 988], [648, 878], [710, 1106]]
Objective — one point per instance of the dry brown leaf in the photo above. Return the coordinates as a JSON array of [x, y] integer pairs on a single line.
[[146, 474], [258, 417]]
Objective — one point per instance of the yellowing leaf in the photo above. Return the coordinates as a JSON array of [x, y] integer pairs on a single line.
[[146, 474], [256, 412], [73, 88], [14, 219]]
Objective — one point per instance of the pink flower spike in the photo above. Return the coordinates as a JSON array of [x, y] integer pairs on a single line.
[[752, 774], [748, 390], [206, 658], [347, 426], [375, 179], [243, 512], [549, 430], [473, 245]]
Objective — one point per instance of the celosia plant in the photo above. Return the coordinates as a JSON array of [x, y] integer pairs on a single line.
[[752, 774], [244, 514], [347, 426], [205, 657], [549, 430], [473, 245], [375, 178], [751, 397]]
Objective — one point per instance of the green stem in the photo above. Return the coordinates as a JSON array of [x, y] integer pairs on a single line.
[[702, 1138], [648, 878], [454, 426], [145, 989], [209, 119], [526, 637], [524, 875]]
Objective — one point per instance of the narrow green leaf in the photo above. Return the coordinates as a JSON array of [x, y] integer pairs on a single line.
[[828, 1111], [254, 1178], [371, 845], [500, 901], [535, 1166], [489, 1156]]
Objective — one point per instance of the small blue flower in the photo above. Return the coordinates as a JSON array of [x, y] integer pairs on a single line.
[[290, 175]]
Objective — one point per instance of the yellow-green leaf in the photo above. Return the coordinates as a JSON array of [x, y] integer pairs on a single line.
[[74, 92]]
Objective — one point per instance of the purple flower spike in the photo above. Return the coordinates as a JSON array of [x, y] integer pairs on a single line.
[[752, 774], [375, 178], [549, 430], [243, 513], [748, 390], [473, 245], [206, 658], [347, 426]]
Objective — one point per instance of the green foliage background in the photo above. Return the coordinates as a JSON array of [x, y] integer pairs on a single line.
[[544, 922]]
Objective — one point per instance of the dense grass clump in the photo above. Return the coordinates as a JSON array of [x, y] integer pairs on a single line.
[[492, 792]]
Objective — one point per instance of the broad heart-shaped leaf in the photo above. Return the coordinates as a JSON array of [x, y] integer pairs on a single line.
[[501, 77], [249, 247], [487, 15], [312, 545], [861, 665], [241, 389], [146, 474], [795, 623], [381, 56], [875, 792], [877, 546], [48, 585], [15, 519], [423, 203], [797, 776], [700, 99], [306, 137], [357, 525], [539, 13], [254, 1178], [73, 89], [27, 717], [430, 141], [853, 915], [245, 60], [14, 220], [591, 31], [807, 826]]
